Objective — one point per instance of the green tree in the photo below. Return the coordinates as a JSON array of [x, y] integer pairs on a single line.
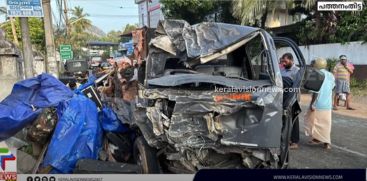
[[79, 24], [255, 12], [223, 12], [331, 27], [79, 21], [351, 26], [196, 11], [36, 31], [193, 11], [129, 28], [112, 36]]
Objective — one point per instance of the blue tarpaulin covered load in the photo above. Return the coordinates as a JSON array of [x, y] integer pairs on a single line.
[[90, 82], [26, 101], [110, 122], [108, 118], [77, 135]]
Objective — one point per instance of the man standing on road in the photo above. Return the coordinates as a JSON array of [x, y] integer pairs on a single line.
[[291, 70], [342, 72], [318, 117]]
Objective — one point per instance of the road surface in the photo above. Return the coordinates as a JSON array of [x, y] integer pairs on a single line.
[[349, 146]]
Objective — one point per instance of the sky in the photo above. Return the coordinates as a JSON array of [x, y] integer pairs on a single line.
[[106, 14]]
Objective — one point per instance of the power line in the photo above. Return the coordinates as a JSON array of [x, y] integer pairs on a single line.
[[113, 15], [98, 0], [54, 17], [61, 14]]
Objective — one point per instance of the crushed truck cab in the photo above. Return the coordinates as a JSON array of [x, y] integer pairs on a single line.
[[212, 98]]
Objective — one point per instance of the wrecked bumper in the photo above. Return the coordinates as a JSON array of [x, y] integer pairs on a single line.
[[196, 119]]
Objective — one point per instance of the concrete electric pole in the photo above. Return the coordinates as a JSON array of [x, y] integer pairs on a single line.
[[148, 13], [66, 18], [27, 48], [51, 62]]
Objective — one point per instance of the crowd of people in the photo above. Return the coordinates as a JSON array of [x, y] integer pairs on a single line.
[[318, 117]]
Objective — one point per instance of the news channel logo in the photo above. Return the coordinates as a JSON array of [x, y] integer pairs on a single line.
[[8, 164]]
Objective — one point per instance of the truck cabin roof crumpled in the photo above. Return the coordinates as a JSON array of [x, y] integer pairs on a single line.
[[206, 48]]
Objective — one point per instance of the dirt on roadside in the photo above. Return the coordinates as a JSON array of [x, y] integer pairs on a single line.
[[358, 102]]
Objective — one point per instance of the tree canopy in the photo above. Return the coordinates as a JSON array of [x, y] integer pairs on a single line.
[[112, 36], [196, 11], [331, 26], [36, 31], [79, 20], [128, 28], [78, 25]]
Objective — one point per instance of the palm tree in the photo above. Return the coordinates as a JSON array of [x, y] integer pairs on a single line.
[[79, 21], [79, 24]]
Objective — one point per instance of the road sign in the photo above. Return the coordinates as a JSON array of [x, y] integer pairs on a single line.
[[66, 52], [66, 55], [65, 48], [24, 8]]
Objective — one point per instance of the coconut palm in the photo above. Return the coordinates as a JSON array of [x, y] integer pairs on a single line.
[[79, 22]]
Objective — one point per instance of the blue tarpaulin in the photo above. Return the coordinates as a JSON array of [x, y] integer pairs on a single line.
[[90, 82], [110, 121], [77, 135], [26, 101], [129, 47]]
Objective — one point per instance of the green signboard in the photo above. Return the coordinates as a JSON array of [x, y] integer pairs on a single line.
[[65, 47], [66, 52]]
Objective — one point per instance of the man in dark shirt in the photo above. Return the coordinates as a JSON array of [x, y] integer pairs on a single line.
[[290, 70]]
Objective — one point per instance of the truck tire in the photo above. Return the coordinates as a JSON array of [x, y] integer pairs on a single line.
[[145, 156]]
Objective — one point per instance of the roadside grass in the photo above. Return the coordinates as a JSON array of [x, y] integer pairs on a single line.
[[358, 87]]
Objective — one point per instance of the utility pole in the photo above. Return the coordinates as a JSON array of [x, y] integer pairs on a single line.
[[66, 18], [27, 48], [51, 63], [14, 31], [148, 13]]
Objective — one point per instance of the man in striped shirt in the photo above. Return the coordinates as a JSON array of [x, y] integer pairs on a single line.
[[342, 72]]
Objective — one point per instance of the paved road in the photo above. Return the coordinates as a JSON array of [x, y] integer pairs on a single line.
[[349, 146]]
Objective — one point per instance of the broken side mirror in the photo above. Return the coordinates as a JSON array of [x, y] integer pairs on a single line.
[[313, 79]]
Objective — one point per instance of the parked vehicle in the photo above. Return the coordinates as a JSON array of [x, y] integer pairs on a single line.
[[75, 70], [95, 61], [105, 65]]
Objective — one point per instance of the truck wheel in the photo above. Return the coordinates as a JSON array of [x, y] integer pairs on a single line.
[[145, 156]]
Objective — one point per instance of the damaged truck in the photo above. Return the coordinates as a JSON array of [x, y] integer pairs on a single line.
[[212, 97]]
